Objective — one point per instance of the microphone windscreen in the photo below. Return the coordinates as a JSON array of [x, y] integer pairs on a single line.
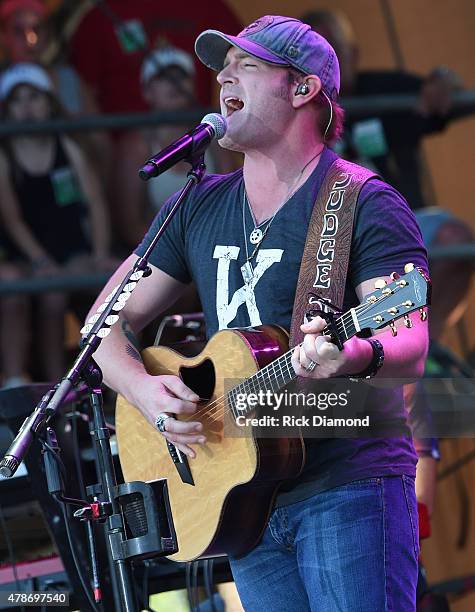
[[217, 122]]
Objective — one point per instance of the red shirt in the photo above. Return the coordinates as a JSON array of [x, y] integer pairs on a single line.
[[113, 71]]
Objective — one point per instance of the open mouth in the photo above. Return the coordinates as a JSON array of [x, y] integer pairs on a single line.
[[233, 104]]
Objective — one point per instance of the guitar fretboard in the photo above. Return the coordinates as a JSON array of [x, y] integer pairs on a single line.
[[279, 372], [402, 296]]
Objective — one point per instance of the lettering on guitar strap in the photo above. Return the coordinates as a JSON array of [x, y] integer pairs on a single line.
[[326, 247]]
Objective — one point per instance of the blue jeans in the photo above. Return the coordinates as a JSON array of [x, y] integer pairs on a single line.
[[353, 548]]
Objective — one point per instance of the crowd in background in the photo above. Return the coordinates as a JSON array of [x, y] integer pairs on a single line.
[[74, 202], [70, 203]]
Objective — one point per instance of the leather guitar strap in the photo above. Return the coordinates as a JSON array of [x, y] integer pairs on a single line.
[[324, 265]]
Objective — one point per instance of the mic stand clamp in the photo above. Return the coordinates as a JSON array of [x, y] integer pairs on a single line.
[[95, 511]]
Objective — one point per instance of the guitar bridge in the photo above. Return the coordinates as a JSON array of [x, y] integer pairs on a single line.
[[180, 461]]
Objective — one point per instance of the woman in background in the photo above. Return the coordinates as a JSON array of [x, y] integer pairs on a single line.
[[53, 220]]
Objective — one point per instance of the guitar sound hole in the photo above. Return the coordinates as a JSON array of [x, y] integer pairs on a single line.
[[201, 378]]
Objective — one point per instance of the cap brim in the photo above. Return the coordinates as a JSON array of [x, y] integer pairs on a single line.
[[212, 46]]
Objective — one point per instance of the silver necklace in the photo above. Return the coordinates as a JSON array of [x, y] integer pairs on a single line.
[[257, 235], [256, 238]]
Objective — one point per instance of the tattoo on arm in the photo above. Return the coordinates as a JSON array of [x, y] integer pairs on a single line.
[[133, 347], [130, 335], [133, 352]]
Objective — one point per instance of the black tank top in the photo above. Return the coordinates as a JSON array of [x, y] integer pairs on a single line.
[[52, 206]]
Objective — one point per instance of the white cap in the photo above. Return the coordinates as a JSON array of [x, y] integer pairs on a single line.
[[163, 58], [24, 74]]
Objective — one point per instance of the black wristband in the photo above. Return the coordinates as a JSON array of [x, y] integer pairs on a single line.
[[376, 362]]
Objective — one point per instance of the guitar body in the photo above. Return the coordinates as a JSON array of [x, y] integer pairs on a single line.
[[235, 476]]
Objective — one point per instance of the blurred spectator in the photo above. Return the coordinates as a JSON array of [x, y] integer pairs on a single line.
[[25, 37], [114, 36], [53, 217], [451, 278], [167, 78], [390, 143], [108, 49]]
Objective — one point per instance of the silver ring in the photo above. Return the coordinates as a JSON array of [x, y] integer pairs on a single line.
[[311, 366], [160, 421]]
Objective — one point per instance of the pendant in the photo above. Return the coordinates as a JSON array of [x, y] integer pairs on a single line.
[[256, 236], [247, 272]]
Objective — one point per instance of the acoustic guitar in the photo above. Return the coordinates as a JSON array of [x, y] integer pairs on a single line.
[[221, 499]]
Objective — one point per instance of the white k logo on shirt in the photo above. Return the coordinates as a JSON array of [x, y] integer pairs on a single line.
[[226, 309]]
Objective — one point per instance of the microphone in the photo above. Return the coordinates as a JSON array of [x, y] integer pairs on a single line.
[[191, 144], [20, 445]]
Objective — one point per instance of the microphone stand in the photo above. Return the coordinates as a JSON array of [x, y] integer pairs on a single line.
[[85, 368]]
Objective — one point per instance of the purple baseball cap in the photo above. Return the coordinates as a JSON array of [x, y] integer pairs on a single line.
[[282, 41]]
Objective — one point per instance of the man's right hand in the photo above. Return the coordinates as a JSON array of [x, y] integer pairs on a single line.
[[168, 394]]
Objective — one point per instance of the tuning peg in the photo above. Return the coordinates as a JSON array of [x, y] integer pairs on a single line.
[[394, 276], [393, 328], [380, 283], [409, 267], [407, 321], [423, 314]]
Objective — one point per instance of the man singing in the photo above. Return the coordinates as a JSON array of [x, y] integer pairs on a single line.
[[343, 535]]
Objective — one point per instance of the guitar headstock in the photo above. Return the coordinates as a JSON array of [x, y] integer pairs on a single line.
[[389, 302]]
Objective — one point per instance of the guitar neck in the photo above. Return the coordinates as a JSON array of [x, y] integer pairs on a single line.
[[379, 309], [280, 372]]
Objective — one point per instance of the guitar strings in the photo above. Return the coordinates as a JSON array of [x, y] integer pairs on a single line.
[[260, 374], [266, 370], [341, 327], [257, 377]]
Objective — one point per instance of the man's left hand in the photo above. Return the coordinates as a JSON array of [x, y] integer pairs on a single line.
[[330, 361]]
